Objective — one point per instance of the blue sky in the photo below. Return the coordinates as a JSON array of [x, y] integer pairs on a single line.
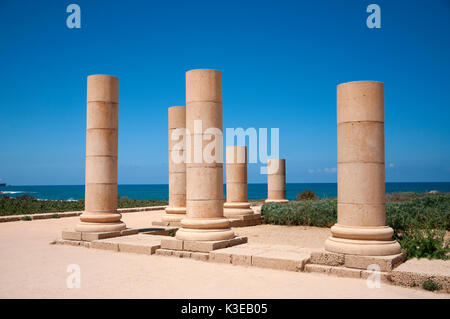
[[281, 62]]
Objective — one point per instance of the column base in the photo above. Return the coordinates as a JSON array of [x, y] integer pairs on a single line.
[[276, 200], [88, 227], [231, 209], [204, 234], [204, 229], [174, 214], [365, 241], [362, 247]]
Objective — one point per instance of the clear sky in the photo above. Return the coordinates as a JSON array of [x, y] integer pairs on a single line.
[[280, 60]]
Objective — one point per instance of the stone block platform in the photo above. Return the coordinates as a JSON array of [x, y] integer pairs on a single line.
[[293, 258], [353, 266], [200, 246], [385, 263], [290, 258], [139, 244], [70, 237], [414, 272], [183, 254], [245, 220], [199, 250], [90, 236]]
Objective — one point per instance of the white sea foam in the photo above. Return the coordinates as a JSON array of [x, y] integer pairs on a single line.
[[12, 192], [16, 192]]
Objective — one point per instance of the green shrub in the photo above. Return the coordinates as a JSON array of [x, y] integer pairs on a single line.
[[172, 232], [56, 216], [430, 285], [27, 218], [307, 195], [431, 210], [321, 213], [424, 243], [29, 205], [403, 196], [125, 202]]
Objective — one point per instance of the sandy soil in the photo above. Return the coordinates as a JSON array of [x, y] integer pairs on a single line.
[[311, 237], [32, 268]]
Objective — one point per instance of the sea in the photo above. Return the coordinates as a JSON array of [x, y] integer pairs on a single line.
[[161, 191]]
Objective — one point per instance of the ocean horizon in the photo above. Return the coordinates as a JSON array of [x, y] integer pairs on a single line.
[[161, 191]]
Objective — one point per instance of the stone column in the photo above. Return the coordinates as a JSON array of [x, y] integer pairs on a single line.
[[276, 181], [100, 213], [237, 203], [361, 228], [204, 177], [176, 210]]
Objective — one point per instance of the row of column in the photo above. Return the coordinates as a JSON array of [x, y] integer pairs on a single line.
[[196, 187]]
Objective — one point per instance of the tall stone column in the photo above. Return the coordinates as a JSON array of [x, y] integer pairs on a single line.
[[276, 181], [100, 213], [361, 228], [204, 177], [237, 203], [176, 210]]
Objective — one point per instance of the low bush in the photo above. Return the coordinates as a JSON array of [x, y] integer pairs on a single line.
[[307, 195], [430, 210], [29, 205], [431, 285], [125, 202], [172, 232], [403, 196], [424, 243], [320, 213]]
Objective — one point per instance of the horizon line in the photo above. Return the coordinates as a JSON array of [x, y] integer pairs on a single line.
[[416, 182]]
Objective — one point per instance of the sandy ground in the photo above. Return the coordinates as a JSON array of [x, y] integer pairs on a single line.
[[32, 268]]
